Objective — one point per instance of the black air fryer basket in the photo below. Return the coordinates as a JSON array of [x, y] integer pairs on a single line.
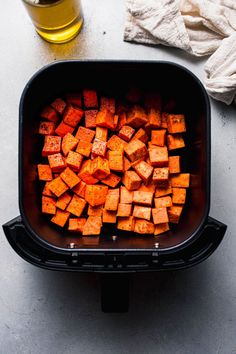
[[116, 253]]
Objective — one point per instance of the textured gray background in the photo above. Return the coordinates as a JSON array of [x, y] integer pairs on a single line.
[[188, 312]]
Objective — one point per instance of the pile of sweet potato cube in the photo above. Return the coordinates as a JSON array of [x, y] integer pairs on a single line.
[[105, 162]]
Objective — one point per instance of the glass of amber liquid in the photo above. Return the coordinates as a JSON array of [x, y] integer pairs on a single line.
[[56, 21]]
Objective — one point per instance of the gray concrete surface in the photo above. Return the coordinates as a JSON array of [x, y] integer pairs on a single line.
[[189, 312]]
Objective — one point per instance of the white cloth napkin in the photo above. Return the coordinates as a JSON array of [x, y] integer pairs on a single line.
[[200, 27]]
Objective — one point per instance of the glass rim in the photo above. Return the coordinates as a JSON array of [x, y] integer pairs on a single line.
[[33, 4]]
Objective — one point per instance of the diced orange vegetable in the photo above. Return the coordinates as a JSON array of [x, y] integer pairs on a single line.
[[137, 117], [44, 172], [174, 164], [47, 128], [90, 98], [174, 213], [162, 191], [85, 134], [179, 195], [180, 180], [92, 226], [56, 162], [79, 189], [69, 142], [76, 205], [74, 160], [60, 218], [90, 118], [175, 141], [63, 201], [160, 215], [69, 177], [99, 148], [95, 211], [116, 143], [101, 133], [142, 212], [57, 186], [74, 98], [141, 135], [52, 145], [144, 198], [147, 188], [108, 103], [84, 148], [176, 123], [59, 105], [46, 191], [161, 228], [86, 173], [112, 199], [158, 137], [160, 176], [135, 150], [105, 119], [126, 133], [116, 160], [109, 216], [48, 205], [154, 118], [100, 168], [124, 209], [63, 128], [77, 225], [153, 100], [144, 227], [158, 156], [126, 223], [164, 117], [50, 114], [121, 121], [96, 194], [131, 180], [163, 202], [144, 170], [127, 164], [126, 196], [116, 119], [72, 115]]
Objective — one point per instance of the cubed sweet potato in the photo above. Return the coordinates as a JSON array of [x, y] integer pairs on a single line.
[[136, 150], [137, 117], [122, 120], [90, 98], [163, 202], [101, 133], [85, 134], [74, 98], [144, 227], [144, 170], [131, 180], [160, 176], [100, 168], [115, 143], [69, 177], [57, 162], [86, 173], [76, 205], [176, 123], [69, 142], [47, 128], [77, 225], [116, 119], [99, 148], [84, 148], [160, 215], [90, 118], [158, 137], [44, 172], [52, 145], [79, 189], [124, 209], [50, 114], [60, 218], [127, 164], [174, 213], [63, 201], [162, 191], [96, 194], [126, 133], [143, 198], [147, 187], [180, 180], [72, 115], [158, 156], [141, 135], [154, 118], [108, 103], [57, 186], [142, 212], [126, 223], [174, 164], [161, 228], [92, 226], [116, 160], [63, 128], [175, 141], [48, 205], [105, 119], [74, 160], [95, 211], [112, 199], [164, 117], [46, 191], [59, 105], [178, 195], [109, 216], [112, 180], [126, 196]]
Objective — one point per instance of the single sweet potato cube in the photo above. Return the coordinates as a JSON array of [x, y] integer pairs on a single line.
[[77, 225], [143, 198], [162, 191], [163, 202], [147, 188], [174, 213], [95, 211], [69, 142], [96, 194], [76, 205], [90, 99], [69, 177], [105, 119], [100, 168], [59, 105], [44, 172], [133, 164], [112, 199], [108, 103], [153, 100], [180, 180], [158, 137], [99, 148], [63, 201], [131, 180], [86, 173], [50, 114], [136, 150], [142, 212], [74, 98], [109, 216], [154, 118], [74, 160], [63, 128], [158, 156], [126, 196], [92, 226], [115, 143], [174, 164], [164, 118], [144, 170], [101, 133], [90, 118], [112, 180], [84, 148], [137, 117], [144, 227], [178, 195], [141, 135], [160, 215], [116, 160], [52, 145], [160, 176], [175, 141], [122, 120], [60, 218], [46, 191], [124, 209], [72, 115], [116, 119], [47, 128], [176, 123], [79, 189], [57, 186], [56, 162], [85, 134], [127, 164], [48, 205], [126, 133], [126, 223], [161, 228]]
